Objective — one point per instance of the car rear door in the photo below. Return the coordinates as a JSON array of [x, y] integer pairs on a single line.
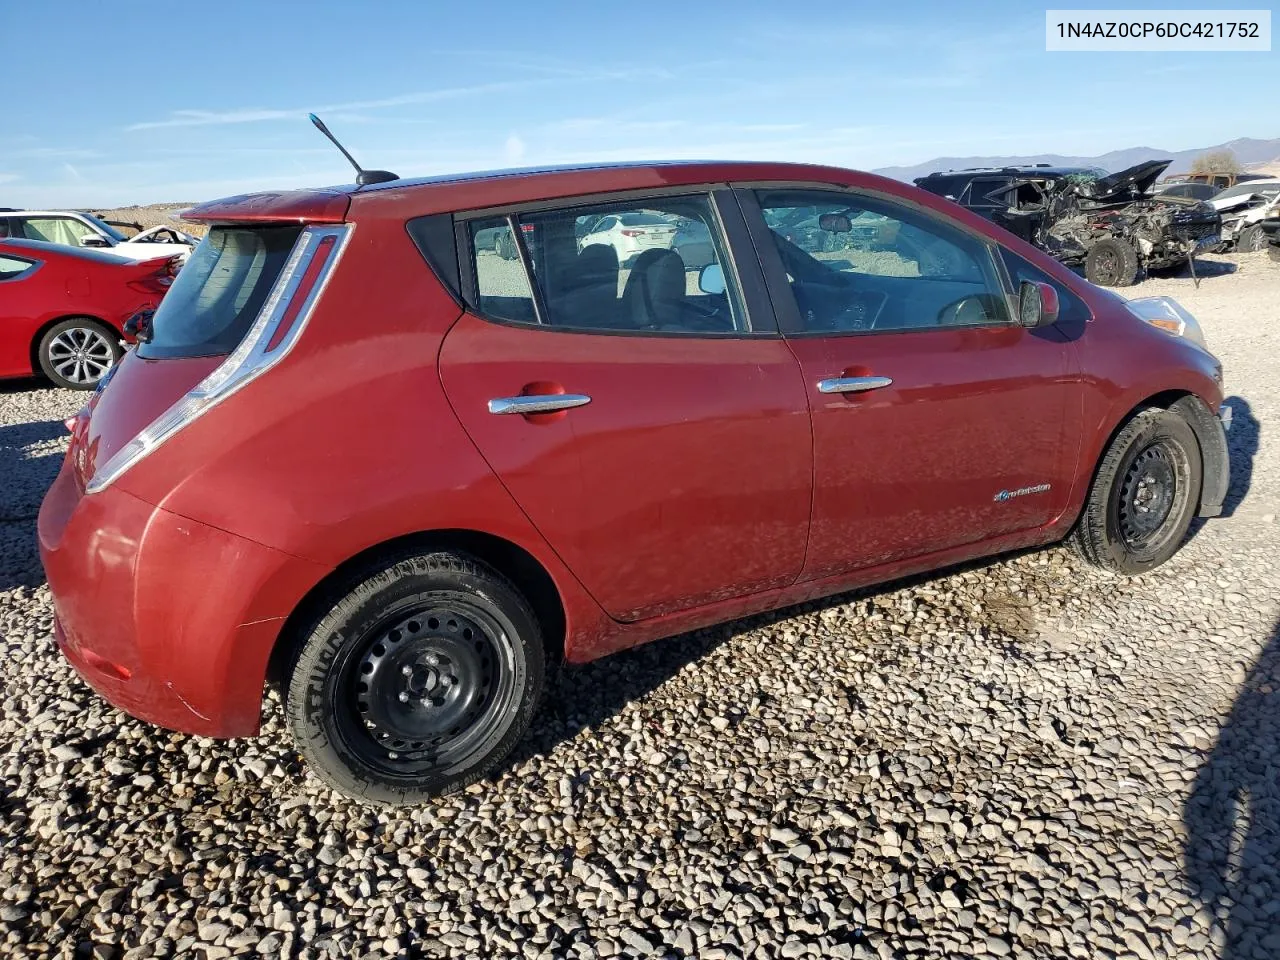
[[937, 420], [654, 428]]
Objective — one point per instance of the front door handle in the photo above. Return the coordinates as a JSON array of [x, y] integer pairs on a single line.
[[538, 403], [852, 384]]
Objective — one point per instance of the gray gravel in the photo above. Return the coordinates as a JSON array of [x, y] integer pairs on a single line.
[[1019, 759]]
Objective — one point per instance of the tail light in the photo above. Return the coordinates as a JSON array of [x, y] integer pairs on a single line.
[[275, 330], [633, 233], [526, 227], [158, 280]]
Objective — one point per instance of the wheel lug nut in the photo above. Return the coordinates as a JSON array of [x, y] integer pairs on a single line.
[[432, 660], [404, 697], [407, 670]]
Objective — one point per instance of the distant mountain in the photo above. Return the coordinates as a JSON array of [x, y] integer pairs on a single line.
[[1249, 152]]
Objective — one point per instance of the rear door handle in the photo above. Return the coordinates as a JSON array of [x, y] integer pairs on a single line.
[[852, 384], [538, 403]]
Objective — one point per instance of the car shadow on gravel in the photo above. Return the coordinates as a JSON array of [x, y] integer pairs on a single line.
[[1242, 448], [1242, 444], [30, 455], [581, 697], [1232, 818]]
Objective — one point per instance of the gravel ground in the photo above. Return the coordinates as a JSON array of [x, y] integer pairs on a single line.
[[1016, 759]]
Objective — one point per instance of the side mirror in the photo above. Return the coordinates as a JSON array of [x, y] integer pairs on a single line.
[[1037, 304], [834, 223], [711, 279], [93, 240]]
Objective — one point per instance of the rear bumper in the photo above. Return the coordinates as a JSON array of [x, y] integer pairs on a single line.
[[168, 619]]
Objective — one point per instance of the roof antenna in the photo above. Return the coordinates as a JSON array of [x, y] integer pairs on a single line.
[[363, 177]]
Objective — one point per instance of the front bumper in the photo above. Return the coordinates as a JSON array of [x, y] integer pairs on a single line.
[[168, 619], [1211, 432]]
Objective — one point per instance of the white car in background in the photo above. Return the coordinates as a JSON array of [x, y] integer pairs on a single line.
[[74, 229], [1243, 208], [631, 234]]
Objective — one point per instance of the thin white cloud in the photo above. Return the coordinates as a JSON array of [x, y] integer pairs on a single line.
[[207, 118], [8, 177]]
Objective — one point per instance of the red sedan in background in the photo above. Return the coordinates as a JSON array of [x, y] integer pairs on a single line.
[[63, 310]]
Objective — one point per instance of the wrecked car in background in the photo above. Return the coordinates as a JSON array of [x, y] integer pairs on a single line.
[[1243, 209], [1110, 224]]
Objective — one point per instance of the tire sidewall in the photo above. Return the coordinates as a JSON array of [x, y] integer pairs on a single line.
[[1170, 428], [1128, 262], [314, 694], [1250, 239]]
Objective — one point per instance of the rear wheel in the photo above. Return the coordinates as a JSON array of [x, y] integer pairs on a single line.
[[1144, 496], [1111, 263], [77, 353], [417, 682], [1251, 239]]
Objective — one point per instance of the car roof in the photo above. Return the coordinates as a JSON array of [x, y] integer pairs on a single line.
[[46, 213], [45, 251], [495, 188], [1025, 171]]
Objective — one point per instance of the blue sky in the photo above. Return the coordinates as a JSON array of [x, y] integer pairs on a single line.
[[140, 101]]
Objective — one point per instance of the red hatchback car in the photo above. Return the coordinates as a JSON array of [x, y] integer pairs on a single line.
[[369, 458], [63, 310]]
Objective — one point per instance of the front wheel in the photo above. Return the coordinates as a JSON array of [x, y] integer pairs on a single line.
[[1111, 262], [77, 353], [1251, 239], [417, 682], [1144, 496]]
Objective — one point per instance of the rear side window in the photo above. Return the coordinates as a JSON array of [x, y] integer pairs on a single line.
[[215, 298], [13, 267], [654, 265]]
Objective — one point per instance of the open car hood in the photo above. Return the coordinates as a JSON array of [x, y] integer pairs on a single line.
[[1135, 180]]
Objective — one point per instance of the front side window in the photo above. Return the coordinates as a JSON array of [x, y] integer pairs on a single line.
[[656, 265], [859, 263]]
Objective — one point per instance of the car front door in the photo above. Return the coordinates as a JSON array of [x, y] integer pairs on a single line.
[[937, 420], [649, 420]]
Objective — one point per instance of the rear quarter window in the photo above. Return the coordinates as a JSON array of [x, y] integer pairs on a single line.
[[215, 298]]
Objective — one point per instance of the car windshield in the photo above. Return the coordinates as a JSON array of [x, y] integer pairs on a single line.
[[643, 220], [1248, 188], [216, 297], [106, 228]]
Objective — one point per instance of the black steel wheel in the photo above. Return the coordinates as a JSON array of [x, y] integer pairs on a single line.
[[1111, 262], [1144, 496], [418, 682]]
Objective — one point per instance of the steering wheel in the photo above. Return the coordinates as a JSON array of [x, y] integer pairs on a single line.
[[965, 312]]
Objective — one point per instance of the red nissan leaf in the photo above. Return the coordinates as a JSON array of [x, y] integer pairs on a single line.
[[63, 310], [365, 454]]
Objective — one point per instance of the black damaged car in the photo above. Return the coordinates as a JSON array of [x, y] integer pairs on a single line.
[[1112, 225]]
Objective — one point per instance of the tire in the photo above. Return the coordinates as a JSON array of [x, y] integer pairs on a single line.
[[76, 353], [1144, 496], [1251, 239], [417, 682], [1111, 263], [506, 247]]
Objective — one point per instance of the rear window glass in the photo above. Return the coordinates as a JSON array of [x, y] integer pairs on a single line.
[[215, 298]]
